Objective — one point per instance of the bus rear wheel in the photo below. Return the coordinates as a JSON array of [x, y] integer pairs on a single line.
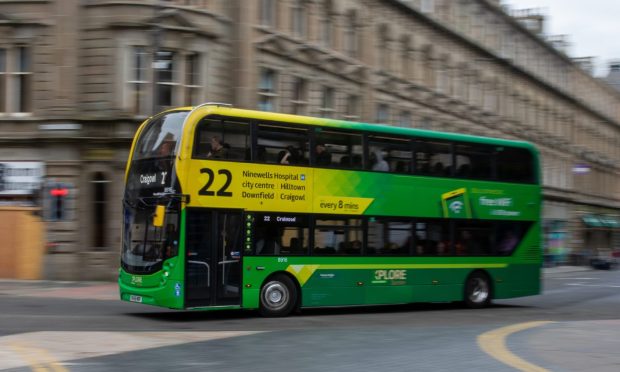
[[278, 296], [477, 290]]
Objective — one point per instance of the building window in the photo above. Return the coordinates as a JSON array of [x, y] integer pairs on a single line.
[[165, 72], [426, 123], [299, 14], [15, 80], [404, 119], [327, 25], [138, 81], [299, 101], [351, 44], [428, 67], [267, 90], [405, 64], [268, 13], [384, 47], [353, 107], [327, 102], [23, 76], [383, 113], [3, 71], [428, 6], [442, 79], [192, 79]]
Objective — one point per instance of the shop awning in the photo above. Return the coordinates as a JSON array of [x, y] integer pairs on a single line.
[[609, 221], [600, 220]]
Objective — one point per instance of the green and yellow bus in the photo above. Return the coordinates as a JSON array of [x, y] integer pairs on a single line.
[[227, 208]]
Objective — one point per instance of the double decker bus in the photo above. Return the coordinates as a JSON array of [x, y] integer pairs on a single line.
[[228, 208]]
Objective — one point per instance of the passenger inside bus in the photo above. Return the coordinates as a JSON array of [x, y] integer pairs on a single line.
[[377, 162], [218, 148], [323, 156], [289, 156], [165, 149]]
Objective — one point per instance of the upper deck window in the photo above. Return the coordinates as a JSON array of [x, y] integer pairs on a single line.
[[515, 165], [474, 161], [338, 150], [389, 154], [161, 136], [222, 139], [282, 145], [433, 158]]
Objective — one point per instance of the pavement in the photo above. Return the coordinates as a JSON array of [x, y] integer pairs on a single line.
[[60, 289]]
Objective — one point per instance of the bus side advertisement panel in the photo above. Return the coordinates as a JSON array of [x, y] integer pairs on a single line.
[[262, 187]]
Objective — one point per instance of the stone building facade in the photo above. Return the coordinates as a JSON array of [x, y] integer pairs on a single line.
[[77, 77]]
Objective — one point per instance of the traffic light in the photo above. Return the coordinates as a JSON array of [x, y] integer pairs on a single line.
[[58, 205]]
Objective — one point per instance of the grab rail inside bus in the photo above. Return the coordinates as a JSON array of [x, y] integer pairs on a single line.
[[208, 270]]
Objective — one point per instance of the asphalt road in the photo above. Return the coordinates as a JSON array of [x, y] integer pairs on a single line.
[[573, 326]]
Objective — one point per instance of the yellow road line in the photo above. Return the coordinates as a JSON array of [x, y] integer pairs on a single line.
[[39, 360], [494, 344]]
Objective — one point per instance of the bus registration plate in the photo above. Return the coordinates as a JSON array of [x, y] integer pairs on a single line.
[[134, 298]]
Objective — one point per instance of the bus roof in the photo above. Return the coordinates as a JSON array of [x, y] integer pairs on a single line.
[[225, 110]]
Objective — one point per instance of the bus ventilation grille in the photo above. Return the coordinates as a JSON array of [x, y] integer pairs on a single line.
[[532, 254]]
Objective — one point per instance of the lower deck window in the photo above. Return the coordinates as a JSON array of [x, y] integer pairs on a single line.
[[280, 234], [338, 236]]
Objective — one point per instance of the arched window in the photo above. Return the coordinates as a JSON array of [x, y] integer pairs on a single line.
[[99, 216]]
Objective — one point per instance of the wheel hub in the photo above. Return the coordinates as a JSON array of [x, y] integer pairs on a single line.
[[275, 295]]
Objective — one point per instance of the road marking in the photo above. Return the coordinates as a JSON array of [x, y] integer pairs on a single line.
[[45, 351], [38, 359], [494, 343], [594, 285], [574, 278]]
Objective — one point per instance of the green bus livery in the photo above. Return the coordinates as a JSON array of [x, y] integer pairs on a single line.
[[227, 208]]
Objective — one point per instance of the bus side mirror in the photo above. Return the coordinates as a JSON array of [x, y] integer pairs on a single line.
[[158, 217]]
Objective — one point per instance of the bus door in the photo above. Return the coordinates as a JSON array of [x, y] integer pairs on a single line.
[[214, 240]]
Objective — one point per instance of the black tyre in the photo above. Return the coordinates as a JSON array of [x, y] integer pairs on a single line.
[[278, 296], [477, 290]]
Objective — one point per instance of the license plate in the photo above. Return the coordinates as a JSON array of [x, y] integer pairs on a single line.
[[134, 298]]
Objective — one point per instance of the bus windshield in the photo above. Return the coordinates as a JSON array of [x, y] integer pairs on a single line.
[[146, 246], [161, 136]]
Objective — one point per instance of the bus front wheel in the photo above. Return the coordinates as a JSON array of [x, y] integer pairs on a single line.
[[278, 296], [477, 290]]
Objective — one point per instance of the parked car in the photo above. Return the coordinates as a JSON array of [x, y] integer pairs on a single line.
[[605, 259]]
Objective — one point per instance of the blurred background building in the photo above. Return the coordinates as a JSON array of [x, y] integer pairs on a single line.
[[77, 77]]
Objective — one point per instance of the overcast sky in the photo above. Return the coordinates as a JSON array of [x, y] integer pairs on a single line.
[[592, 26]]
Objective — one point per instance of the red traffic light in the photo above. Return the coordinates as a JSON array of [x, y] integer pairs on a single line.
[[59, 192]]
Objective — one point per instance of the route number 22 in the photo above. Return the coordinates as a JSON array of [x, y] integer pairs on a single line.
[[222, 191]]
